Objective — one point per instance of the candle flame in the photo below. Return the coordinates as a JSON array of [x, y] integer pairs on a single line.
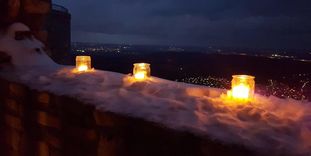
[[242, 88], [141, 71], [240, 91], [82, 68], [83, 64], [140, 75]]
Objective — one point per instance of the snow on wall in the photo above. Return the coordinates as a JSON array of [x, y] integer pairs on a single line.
[[269, 124], [24, 52]]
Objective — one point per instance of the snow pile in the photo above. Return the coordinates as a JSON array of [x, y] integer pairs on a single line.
[[269, 124], [27, 51]]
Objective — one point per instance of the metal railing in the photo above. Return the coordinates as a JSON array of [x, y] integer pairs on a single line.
[[59, 8]]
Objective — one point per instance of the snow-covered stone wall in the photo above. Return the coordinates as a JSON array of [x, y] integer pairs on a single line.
[[152, 116], [41, 123]]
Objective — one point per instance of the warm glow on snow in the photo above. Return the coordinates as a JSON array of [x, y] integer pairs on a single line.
[[82, 68]]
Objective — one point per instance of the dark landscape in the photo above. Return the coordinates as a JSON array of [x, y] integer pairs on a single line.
[[285, 77]]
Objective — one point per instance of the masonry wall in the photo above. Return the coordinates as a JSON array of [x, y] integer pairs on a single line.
[[34, 123], [50, 26], [33, 13]]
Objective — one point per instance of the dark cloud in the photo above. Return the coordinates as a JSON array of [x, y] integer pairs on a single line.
[[245, 23]]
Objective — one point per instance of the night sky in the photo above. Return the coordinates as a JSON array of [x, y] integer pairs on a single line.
[[234, 23]]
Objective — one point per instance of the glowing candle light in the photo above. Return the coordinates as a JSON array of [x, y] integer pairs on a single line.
[[83, 63], [243, 87], [141, 71]]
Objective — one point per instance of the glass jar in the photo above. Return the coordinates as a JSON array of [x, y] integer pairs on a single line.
[[141, 71], [83, 63]]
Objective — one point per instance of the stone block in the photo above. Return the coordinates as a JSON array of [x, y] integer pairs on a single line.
[[51, 136], [37, 6], [106, 119], [47, 102], [17, 91], [77, 114], [15, 153], [35, 22], [209, 147], [13, 122], [41, 35], [55, 152], [44, 99], [81, 134], [46, 119], [13, 139], [17, 141], [54, 141], [14, 107], [9, 11], [43, 149], [111, 147]]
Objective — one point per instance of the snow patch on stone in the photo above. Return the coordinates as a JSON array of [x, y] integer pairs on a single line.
[[26, 52]]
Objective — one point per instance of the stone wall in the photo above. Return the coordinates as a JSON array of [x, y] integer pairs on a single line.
[[34, 123], [33, 13], [52, 27]]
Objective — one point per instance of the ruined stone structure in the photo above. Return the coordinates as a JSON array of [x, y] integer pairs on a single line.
[[33, 13], [49, 23]]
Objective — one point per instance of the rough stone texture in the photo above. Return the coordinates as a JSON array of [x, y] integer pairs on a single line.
[[9, 11], [52, 27], [42, 124], [15, 116], [34, 14], [4, 58], [37, 6], [31, 12]]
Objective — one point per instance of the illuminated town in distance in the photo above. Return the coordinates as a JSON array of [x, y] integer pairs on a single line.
[[294, 84], [294, 54]]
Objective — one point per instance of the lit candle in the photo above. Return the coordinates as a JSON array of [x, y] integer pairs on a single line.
[[82, 68], [140, 75], [141, 71], [243, 87], [83, 63]]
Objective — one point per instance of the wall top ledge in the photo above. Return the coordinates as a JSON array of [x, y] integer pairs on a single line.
[[199, 110]]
